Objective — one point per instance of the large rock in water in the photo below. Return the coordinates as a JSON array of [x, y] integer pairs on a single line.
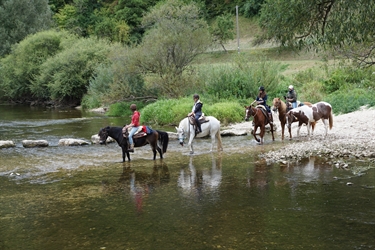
[[7, 144], [34, 143], [95, 139], [72, 142]]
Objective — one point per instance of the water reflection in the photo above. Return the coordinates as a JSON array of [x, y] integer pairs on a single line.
[[196, 180], [138, 185]]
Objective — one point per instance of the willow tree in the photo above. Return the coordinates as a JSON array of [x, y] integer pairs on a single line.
[[345, 26], [176, 35]]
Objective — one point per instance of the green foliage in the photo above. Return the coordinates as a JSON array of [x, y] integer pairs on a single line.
[[176, 35], [226, 112], [122, 109], [223, 30], [24, 63], [167, 111], [67, 74], [241, 79], [331, 24], [346, 101], [172, 111], [251, 8], [311, 92], [20, 18], [116, 80], [349, 77]]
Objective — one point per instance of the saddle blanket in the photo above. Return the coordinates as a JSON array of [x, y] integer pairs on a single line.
[[142, 131]]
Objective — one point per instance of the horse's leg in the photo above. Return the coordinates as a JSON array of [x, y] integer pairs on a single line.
[[128, 155], [190, 144], [213, 135], [124, 151], [219, 142], [325, 122], [159, 150], [254, 132], [299, 127], [282, 131], [273, 138], [308, 129], [262, 131]]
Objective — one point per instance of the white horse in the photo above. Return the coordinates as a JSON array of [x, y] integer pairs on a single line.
[[211, 127]]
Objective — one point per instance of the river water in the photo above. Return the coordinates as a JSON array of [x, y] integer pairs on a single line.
[[84, 197]]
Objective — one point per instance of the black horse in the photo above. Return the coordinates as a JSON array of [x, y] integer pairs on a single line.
[[152, 139]]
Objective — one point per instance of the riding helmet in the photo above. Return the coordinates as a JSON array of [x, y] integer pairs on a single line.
[[290, 86], [133, 107], [262, 88], [196, 96]]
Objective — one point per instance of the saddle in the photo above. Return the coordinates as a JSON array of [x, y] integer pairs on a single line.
[[141, 132], [289, 105], [202, 119], [264, 111]]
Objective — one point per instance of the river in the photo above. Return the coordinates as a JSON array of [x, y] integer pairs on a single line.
[[84, 197]]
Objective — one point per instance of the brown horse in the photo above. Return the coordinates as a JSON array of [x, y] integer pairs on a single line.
[[151, 138], [281, 107], [260, 120]]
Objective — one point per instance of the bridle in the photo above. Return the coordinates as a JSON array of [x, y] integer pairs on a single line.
[[248, 110]]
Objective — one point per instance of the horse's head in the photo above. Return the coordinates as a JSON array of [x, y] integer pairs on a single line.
[[181, 135], [276, 103], [249, 112], [103, 135]]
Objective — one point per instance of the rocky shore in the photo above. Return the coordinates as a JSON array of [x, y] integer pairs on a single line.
[[352, 135]]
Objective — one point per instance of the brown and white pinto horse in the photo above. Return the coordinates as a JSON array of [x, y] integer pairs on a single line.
[[260, 120], [279, 106], [309, 115]]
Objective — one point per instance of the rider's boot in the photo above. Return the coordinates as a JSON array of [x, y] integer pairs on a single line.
[[270, 118], [131, 148]]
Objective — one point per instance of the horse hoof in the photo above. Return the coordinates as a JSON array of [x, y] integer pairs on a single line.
[[191, 152]]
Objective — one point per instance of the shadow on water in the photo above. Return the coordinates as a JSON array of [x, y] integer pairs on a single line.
[[86, 198]]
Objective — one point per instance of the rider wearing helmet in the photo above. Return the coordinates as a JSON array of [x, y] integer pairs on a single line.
[[291, 96], [262, 100], [197, 111], [133, 125]]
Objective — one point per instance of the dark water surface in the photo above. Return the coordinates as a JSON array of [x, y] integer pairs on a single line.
[[85, 198]]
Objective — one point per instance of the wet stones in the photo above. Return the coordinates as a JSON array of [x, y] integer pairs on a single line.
[[34, 143], [72, 142], [7, 144]]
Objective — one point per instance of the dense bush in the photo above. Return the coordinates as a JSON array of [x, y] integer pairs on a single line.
[[67, 74], [241, 79], [346, 101], [21, 67], [172, 111]]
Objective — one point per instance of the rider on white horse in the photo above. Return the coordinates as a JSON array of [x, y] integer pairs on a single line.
[[197, 111]]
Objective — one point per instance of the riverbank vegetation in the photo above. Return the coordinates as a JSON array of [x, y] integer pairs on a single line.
[[158, 53]]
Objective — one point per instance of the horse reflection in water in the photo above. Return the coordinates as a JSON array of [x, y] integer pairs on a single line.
[[196, 182], [141, 184]]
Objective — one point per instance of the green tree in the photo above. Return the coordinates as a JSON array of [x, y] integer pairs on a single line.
[[341, 25], [117, 80], [223, 30], [20, 18], [67, 74], [176, 35], [20, 68]]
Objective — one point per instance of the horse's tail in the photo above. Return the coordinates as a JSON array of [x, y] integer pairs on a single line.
[[164, 140], [330, 120]]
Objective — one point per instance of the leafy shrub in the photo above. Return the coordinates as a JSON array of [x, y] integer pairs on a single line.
[[122, 109], [172, 111], [67, 74], [23, 65], [241, 79], [346, 101]]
